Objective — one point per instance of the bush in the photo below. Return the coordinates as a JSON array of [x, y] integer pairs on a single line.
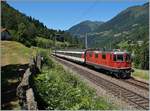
[[61, 90], [44, 43], [46, 58]]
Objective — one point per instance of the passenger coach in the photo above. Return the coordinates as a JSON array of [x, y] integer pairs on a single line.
[[76, 56]]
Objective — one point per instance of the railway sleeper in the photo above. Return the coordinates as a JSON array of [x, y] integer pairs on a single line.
[[126, 93], [133, 97], [129, 96], [138, 99], [143, 102], [139, 105], [145, 106]]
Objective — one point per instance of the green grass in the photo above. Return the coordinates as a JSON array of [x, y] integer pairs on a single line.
[[15, 53], [143, 74]]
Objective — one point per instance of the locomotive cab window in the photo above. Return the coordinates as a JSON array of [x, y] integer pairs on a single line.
[[119, 57]]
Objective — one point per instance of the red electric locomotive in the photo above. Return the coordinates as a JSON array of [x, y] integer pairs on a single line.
[[115, 62]]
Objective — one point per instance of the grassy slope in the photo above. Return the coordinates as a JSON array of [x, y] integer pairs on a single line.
[[14, 53], [143, 74], [14, 56]]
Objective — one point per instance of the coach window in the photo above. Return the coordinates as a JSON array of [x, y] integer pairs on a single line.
[[78, 55], [69, 54], [103, 56], [96, 55]]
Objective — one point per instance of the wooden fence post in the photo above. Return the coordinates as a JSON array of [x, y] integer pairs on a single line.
[[38, 62]]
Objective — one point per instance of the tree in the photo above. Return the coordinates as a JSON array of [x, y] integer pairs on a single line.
[[31, 33], [21, 32], [141, 59], [26, 34], [145, 56]]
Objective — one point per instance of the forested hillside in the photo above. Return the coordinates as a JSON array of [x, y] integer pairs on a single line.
[[84, 27], [26, 29]]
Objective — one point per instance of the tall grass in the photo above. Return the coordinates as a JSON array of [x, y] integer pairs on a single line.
[[143, 74]]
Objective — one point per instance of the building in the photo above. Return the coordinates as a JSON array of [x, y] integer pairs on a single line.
[[5, 35], [59, 37]]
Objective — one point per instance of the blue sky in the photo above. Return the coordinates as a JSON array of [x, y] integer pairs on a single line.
[[63, 15]]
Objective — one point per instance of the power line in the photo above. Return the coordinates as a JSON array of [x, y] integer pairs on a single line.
[[90, 8], [86, 11]]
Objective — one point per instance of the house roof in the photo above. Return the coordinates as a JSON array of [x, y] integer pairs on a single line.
[[3, 29]]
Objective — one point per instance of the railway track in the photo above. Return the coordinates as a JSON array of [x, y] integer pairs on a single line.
[[137, 83], [136, 100]]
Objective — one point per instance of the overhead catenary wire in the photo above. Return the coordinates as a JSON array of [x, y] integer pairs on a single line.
[[85, 12]]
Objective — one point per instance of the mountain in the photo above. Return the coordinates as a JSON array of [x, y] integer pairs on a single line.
[[84, 27], [127, 18], [129, 25]]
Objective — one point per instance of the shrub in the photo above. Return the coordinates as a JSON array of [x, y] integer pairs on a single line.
[[46, 58], [64, 91]]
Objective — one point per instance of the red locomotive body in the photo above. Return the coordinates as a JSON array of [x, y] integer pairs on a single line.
[[115, 62]]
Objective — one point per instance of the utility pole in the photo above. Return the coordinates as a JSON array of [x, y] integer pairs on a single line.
[[110, 45], [55, 43], [86, 41]]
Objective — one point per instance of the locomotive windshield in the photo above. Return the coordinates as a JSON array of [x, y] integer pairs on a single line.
[[121, 57], [118, 57]]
